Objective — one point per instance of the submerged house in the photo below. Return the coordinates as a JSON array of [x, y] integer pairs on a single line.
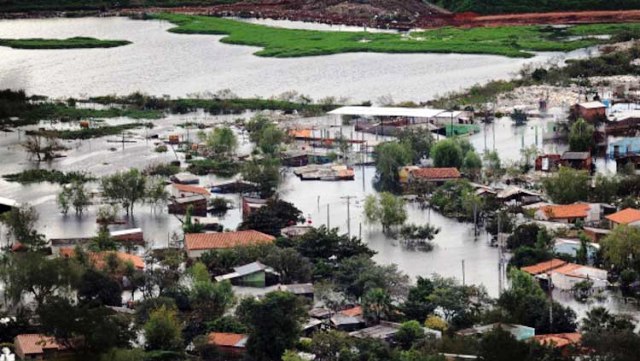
[[387, 330], [197, 202], [570, 213], [198, 243], [564, 275], [254, 274], [519, 332], [35, 346], [432, 175]]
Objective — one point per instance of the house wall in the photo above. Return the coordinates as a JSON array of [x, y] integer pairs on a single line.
[[566, 282], [196, 253], [592, 114]]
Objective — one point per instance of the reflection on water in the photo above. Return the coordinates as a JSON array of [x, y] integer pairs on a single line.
[[159, 62]]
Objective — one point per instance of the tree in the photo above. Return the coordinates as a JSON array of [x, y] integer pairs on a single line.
[[162, 330], [386, 209], [606, 189], [274, 324], [389, 157], [43, 147], [524, 235], [356, 276], [265, 173], [447, 153], [460, 305], [271, 139], [528, 156], [127, 188], [156, 193], [20, 223], [409, 333], [222, 141], [97, 289], [500, 345], [621, 247], [418, 306], [567, 186], [272, 217], [418, 236], [492, 164], [581, 136], [330, 345], [324, 243], [33, 274], [418, 140], [472, 164], [610, 337], [103, 241], [290, 265], [376, 305]]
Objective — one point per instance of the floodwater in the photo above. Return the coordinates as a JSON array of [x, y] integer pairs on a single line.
[[159, 62]]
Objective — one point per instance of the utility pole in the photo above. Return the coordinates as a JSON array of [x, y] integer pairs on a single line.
[[463, 274], [328, 218], [348, 198]]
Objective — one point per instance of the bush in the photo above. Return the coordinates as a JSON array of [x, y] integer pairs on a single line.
[[161, 149]]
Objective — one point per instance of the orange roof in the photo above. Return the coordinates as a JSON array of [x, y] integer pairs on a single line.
[[227, 339], [191, 189], [543, 267], [578, 210], [300, 133], [435, 173], [625, 216], [98, 258], [198, 241], [34, 343], [559, 339], [352, 312]]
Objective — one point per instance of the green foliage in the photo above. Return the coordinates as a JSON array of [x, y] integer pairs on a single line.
[[272, 217], [524, 235], [222, 167], [611, 337], [621, 247], [290, 265], [527, 304], [70, 43], [274, 324], [447, 153], [161, 169], [460, 305], [386, 209], [409, 333], [356, 276], [127, 188], [45, 175], [415, 236], [567, 186], [581, 136], [500, 345], [97, 289], [389, 157], [277, 42], [265, 173], [472, 164], [20, 227], [162, 330], [417, 305], [376, 305], [223, 260], [73, 195], [418, 140], [222, 142]]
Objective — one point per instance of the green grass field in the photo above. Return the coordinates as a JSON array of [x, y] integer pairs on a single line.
[[513, 41], [71, 43]]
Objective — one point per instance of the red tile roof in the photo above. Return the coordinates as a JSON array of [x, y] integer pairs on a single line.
[[191, 189], [33, 343], [99, 258], [436, 173], [199, 241], [559, 339], [625, 216], [579, 210], [543, 267], [226, 339], [352, 312]]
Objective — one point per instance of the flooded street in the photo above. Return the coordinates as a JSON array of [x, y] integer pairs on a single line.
[[159, 62]]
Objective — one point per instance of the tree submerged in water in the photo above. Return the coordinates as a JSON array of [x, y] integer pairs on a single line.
[[418, 237]]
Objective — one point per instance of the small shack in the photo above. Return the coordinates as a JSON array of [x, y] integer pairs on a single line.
[[197, 202], [254, 274], [33, 346], [185, 178], [520, 332], [433, 175], [592, 112], [577, 160]]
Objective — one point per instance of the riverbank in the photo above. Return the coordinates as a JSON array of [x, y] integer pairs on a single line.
[[506, 41], [70, 43]]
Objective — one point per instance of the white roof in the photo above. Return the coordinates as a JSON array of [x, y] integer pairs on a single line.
[[8, 202], [126, 231], [592, 105], [387, 111]]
